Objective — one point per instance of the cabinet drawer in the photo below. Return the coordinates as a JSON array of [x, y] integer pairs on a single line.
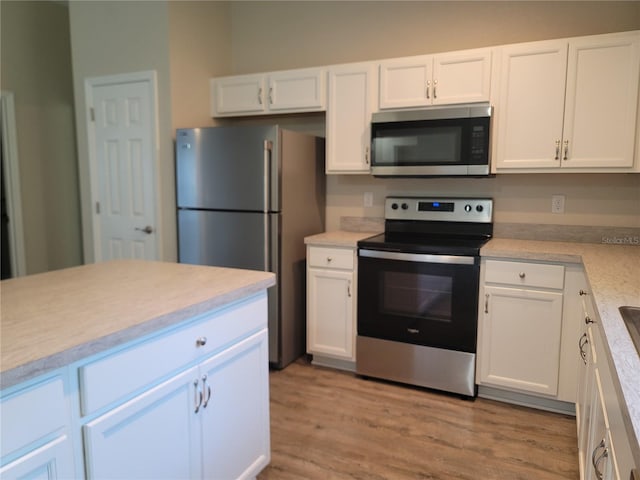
[[31, 414], [525, 274], [116, 376], [341, 258]]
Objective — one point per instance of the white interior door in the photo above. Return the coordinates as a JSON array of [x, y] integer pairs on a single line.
[[123, 160]]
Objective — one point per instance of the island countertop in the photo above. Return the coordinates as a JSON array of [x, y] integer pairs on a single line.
[[52, 319]]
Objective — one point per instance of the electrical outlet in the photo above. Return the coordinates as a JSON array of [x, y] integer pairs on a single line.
[[368, 199], [557, 204]]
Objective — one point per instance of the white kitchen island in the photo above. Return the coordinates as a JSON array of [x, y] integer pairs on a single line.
[[133, 369]]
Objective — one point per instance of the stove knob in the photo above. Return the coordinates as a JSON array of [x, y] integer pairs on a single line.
[[394, 206], [467, 208], [479, 208], [405, 206]]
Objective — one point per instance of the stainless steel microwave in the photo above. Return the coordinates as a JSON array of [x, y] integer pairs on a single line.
[[440, 141]]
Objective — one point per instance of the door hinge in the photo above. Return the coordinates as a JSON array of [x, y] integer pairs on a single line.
[[92, 113], [98, 207]]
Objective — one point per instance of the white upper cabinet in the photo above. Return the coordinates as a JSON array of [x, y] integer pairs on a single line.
[[569, 104], [457, 77], [352, 100], [289, 91], [601, 105]]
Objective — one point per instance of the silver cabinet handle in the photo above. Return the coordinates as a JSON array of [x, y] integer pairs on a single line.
[[435, 86], [198, 396], [596, 461], [206, 387], [587, 320], [270, 95], [584, 340], [148, 229], [349, 289], [557, 157], [582, 293], [201, 342], [486, 303], [428, 88], [522, 274], [260, 95], [566, 150], [366, 155], [329, 259]]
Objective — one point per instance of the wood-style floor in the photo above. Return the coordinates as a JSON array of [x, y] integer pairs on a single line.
[[327, 424]]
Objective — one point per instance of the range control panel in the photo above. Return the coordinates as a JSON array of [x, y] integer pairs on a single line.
[[476, 210]]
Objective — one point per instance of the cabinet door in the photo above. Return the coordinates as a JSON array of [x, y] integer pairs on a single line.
[[352, 90], [406, 82], [461, 77], [297, 90], [155, 435], [584, 403], [600, 457], [235, 413], [330, 313], [520, 346], [530, 109], [53, 460], [601, 103], [239, 95]]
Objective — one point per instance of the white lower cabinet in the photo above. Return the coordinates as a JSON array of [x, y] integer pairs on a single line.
[[54, 460], [155, 435], [604, 447], [235, 410], [35, 425], [521, 319], [210, 421], [331, 302], [519, 325]]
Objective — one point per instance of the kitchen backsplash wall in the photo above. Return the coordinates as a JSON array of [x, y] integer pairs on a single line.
[[590, 199]]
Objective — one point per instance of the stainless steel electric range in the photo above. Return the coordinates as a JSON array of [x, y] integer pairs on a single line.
[[418, 292]]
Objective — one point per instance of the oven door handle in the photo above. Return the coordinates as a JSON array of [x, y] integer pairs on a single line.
[[417, 257]]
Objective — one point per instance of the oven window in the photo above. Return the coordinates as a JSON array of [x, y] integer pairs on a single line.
[[417, 295]]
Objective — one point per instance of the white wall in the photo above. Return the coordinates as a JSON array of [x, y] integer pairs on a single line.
[[199, 48], [36, 67], [281, 35]]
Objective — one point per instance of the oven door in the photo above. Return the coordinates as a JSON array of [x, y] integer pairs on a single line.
[[429, 300]]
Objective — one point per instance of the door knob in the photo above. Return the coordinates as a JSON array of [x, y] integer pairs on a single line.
[[148, 229]]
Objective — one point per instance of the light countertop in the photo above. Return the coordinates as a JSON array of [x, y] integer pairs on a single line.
[[338, 238], [52, 319], [613, 272]]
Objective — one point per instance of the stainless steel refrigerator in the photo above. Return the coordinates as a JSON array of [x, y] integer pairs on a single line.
[[246, 197]]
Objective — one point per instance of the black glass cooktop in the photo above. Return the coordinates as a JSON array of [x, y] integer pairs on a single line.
[[426, 243]]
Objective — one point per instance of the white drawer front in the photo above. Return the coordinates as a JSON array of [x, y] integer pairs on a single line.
[[326, 257], [31, 414], [116, 376], [525, 274]]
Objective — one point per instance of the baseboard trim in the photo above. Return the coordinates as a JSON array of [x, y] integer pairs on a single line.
[[531, 401]]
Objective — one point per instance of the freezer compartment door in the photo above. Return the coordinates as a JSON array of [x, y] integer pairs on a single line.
[[228, 168], [227, 239]]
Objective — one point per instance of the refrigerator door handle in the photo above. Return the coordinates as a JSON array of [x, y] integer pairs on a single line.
[[268, 146]]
